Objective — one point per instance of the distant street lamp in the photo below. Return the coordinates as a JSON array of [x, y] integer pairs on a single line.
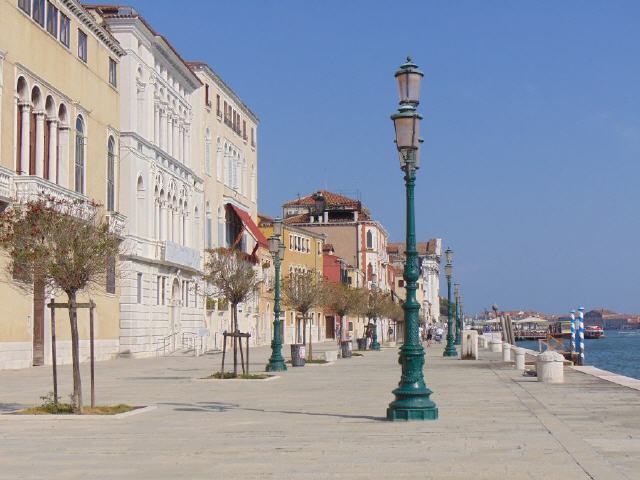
[[450, 349], [276, 247], [456, 294], [412, 395]]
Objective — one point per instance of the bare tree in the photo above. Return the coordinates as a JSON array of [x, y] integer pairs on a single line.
[[231, 276], [302, 292], [343, 300], [65, 245]]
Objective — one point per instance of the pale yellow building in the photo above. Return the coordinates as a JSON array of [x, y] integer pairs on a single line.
[[59, 135], [303, 253], [226, 149]]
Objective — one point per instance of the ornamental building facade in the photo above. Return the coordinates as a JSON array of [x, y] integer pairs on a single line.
[[59, 137], [161, 186]]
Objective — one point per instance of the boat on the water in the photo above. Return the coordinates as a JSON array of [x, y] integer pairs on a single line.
[[593, 332]]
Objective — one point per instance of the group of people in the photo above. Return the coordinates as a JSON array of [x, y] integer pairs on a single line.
[[432, 334]]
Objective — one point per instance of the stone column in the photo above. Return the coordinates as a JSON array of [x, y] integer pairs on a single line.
[[180, 142], [156, 125], [24, 140], [40, 144], [174, 142], [169, 147], [187, 146], [53, 151]]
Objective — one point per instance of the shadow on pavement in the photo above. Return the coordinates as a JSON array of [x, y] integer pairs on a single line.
[[217, 407]]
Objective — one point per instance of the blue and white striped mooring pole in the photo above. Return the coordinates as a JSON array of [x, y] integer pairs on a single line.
[[581, 334], [573, 331]]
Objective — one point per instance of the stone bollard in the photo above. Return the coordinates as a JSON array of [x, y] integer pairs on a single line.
[[495, 347], [519, 354], [506, 352], [550, 367], [469, 350]]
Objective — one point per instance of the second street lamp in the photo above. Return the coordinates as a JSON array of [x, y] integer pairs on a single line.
[[412, 395], [450, 349], [456, 292], [276, 247]]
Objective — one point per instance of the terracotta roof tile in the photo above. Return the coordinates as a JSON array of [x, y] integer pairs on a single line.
[[332, 199]]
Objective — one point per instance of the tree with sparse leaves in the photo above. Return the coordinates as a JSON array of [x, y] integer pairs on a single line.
[[231, 276], [302, 292], [343, 300], [65, 245], [377, 306]]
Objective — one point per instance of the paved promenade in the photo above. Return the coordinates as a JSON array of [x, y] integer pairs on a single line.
[[324, 422]]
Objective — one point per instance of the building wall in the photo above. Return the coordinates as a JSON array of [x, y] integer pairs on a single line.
[[161, 192], [40, 74]]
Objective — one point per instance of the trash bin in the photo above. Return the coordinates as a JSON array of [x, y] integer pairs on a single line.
[[346, 348], [362, 343], [297, 355]]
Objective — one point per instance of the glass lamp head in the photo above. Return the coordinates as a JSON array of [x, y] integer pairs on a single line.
[[281, 249], [277, 226], [448, 270], [409, 79], [274, 244], [449, 255]]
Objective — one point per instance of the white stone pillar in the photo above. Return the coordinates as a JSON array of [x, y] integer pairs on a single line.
[[156, 125], [24, 139], [53, 151], [40, 144], [519, 354], [180, 143], [169, 147], [162, 141], [174, 142], [187, 146]]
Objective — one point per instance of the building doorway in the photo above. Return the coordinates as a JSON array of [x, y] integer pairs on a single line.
[[38, 322], [330, 327]]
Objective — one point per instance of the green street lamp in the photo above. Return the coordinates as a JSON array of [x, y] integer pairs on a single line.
[[276, 247], [456, 294], [412, 400], [450, 349]]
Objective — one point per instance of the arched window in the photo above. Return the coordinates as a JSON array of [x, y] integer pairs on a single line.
[[111, 169], [79, 166], [140, 209], [369, 239], [207, 152], [196, 229], [219, 160], [209, 227]]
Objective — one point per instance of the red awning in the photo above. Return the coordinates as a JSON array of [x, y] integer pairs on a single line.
[[251, 226]]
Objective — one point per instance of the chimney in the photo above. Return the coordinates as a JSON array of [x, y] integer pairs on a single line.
[[355, 216], [326, 217]]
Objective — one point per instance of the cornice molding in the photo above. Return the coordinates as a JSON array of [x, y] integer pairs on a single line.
[[90, 22]]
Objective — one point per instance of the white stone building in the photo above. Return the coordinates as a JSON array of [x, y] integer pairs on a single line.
[[161, 189]]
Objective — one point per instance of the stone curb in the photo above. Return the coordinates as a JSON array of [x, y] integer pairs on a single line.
[[137, 411], [622, 380], [245, 380]]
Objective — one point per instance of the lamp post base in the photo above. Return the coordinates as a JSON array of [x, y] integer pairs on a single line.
[[276, 366], [412, 405], [375, 345], [450, 351]]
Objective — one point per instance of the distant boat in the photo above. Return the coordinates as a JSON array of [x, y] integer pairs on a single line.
[[593, 332]]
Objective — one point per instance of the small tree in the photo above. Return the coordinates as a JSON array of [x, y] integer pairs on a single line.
[[343, 300], [377, 305], [303, 292], [65, 245], [231, 276]]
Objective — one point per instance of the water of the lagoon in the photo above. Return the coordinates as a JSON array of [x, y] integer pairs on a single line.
[[616, 352]]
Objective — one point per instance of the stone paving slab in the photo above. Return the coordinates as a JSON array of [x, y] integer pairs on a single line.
[[326, 423]]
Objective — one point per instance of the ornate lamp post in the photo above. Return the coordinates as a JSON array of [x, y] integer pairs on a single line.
[[412, 395], [276, 247], [450, 349], [456, 294]]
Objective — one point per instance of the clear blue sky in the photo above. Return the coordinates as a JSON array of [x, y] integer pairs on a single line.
[[531, 160]]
